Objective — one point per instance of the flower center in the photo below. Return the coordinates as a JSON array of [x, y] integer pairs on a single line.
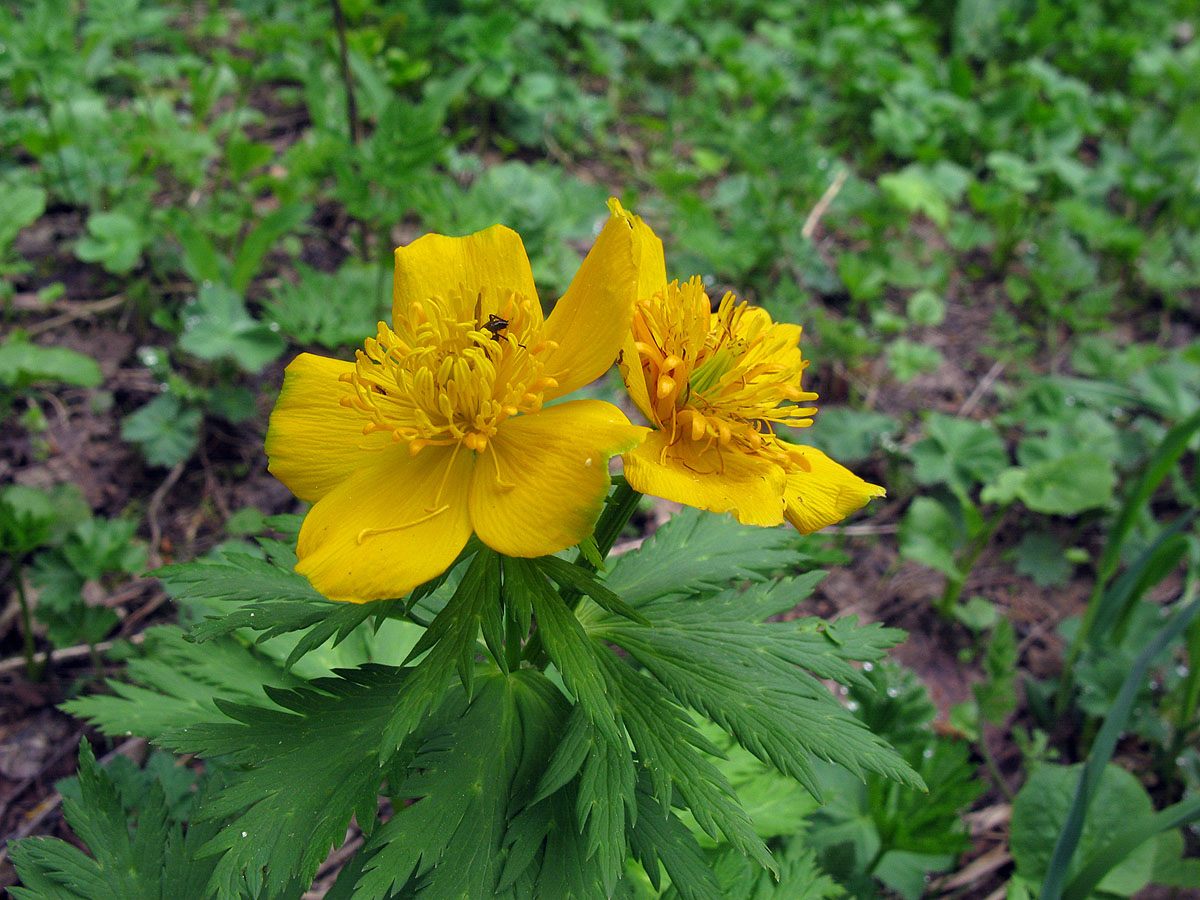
[[725, 378], [450, 371]]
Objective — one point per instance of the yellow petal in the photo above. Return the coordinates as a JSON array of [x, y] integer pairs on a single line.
[[826, 494], [749, 487], [388, 527], [314, 442], [542, 482], [652, 278], [492, 260], [592, 318]]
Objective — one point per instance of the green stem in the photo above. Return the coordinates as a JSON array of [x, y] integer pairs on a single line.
[[618, 508], [993, 769], [339, 25], [954, 586], [31, 667]]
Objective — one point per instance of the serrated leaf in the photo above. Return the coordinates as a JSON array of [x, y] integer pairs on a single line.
[[151, 862], [669, 747], [660, 838], [450, 641], [567, 644], [748, 679], [448, 839], [581, 581], [312, 761], [174, 683], [697, 551]]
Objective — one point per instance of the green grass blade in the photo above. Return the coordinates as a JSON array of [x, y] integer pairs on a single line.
[[1151, 567], [1126, 840], [1102, 751], [1156, 470]]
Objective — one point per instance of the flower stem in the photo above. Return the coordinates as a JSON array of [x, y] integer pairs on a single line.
[[31, 667], [617, 510]]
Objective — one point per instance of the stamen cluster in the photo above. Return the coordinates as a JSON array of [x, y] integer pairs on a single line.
[[443, 377], [725, 378]]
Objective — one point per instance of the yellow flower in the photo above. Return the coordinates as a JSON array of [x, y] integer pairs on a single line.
[[439, 427], [715, 384]]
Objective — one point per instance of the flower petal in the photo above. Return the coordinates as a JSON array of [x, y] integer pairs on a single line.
[[749, 487], [492, 260], [546, 480], [313, 441], [592, 318], [652, 278], [373, 536], [826, 494]]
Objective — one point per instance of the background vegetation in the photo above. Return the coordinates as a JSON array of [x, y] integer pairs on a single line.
[[985, 214]]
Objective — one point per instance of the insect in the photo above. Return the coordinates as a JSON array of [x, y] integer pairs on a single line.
[[494, 325]]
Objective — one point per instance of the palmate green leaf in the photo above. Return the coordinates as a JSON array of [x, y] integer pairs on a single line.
[[697, 551], [748, 678], [154, 862], [478, 763], [670, 749], [605, 792], [460, 777], [173, 684], [451, 642], [311, 763], [660, 838], [567, 644], [800, 878], [275, 601]]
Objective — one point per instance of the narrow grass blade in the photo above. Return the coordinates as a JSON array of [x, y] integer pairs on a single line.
[[1126, 840], [1102, 751]]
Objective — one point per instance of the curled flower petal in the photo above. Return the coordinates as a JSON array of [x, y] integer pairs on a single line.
[[826, 493], [717, 384], [587, 324]]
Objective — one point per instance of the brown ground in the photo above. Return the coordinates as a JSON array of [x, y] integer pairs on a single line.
[[183, 513]]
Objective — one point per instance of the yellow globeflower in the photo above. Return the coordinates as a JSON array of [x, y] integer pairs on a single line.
[[715, 384], [438, 428]]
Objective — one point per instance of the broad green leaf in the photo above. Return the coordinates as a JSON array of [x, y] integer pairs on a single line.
[[931, 535], [165, 430], [915, 193], [1040, 811], [1065, 486], [20, 205], [23, 364], [217, 326], [958, 453], [114, 239]]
